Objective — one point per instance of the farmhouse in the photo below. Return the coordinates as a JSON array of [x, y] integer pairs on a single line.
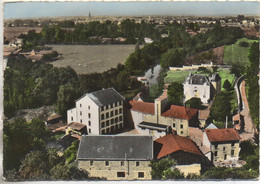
[[183, 150], [223, 144], [157, 119], [201, 86], [100, 111], [116, 157]]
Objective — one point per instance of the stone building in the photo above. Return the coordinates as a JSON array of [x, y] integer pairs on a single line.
[[201, 86], [116, 157], [223, 144], [158, 118], [100, 111]]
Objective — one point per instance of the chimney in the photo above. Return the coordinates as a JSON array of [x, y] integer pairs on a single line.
[[226, 121]]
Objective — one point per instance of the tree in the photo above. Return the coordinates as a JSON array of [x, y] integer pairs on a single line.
[[220, 108], [60, 172], [159, 166], [238, 69], [34, 166], [70, 152], [175, 93], [243, 44], [194, 103], [227, 85], [173, 57], [172, 173]]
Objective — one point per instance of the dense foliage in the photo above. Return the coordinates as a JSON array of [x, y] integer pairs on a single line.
[[194, 103], [252, 82], [175, 93], [221, 107]]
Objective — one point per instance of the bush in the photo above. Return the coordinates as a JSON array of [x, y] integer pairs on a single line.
[[243, 44]]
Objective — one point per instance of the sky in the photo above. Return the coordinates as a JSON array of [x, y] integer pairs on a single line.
[[54, 9]]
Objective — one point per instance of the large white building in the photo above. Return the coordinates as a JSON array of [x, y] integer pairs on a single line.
[[201, 86], [101, 111]]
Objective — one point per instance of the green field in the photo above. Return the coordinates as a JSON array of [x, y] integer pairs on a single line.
[[179, 76], [237, 54]]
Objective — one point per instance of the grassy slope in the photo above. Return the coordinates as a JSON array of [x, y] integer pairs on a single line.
[[179, 76], [236, 54]]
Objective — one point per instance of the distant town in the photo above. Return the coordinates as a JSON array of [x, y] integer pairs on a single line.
[[131, 98]]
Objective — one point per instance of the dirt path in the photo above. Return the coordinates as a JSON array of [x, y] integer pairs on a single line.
[[249, 133]]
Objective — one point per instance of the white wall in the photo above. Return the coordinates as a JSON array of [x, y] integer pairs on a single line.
[[72, 115]]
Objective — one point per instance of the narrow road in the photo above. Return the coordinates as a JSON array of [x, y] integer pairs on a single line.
[[248, 131]]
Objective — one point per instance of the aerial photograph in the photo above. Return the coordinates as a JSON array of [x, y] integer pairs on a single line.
[[110, 91]]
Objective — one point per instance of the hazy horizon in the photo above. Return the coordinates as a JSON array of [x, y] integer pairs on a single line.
[[71, 9]]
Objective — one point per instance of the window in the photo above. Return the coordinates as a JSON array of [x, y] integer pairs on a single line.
[[111, 113], [232, 152], [107, 115], [102, 116], [122, 163], [102, 124], [181, 126], [89, 115], [88, 107], [216, 146], [102, 108], [120, 103], [111, 105], [181, 132], [115, 104], [137, 164], [107, 130], [140, 174], [120, 174], [103, 131], [107, 163], [224, 148], [142, 128], [120, 110], [116, 112], [107, 123], [91, 162], [173, 125], [81, 121], [80, 113], [216, 153], [225, 157], [233, 144], [159, 131], [71, 118], [112, 121], [89, 130], [120, 118], [80, 105], [116, 120], [89, 123]]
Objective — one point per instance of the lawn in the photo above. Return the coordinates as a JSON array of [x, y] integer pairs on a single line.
[[179, 76], [237, 54]]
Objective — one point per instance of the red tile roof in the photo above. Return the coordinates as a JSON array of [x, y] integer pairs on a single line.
[[221, 135], [143, 107], [172, 143], [204, 114], [180, 112]]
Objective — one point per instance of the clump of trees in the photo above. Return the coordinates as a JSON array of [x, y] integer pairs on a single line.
[[175, 93], [252, 82], [194, 103]]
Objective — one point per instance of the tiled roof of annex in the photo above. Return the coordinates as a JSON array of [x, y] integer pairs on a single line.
[[222, 135], [174, 111], [172, 143]]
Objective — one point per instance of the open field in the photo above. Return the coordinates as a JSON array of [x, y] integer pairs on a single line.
[[85, 59], [12, 32], [236, 54], [179, 76]]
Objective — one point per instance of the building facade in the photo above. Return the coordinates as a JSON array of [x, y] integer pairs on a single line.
[[201, 86], [157, 118], [223, 144], [116, 157], [100, 111]]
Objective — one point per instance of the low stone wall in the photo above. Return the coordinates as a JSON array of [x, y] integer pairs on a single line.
[[192, 67]]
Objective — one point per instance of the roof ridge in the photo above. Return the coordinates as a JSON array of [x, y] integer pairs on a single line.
[[176, 142]]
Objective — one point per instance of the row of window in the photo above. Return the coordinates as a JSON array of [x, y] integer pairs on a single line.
[[111, 121], [174, 126], [111, 105], [137, 163], [224, 148], [111, 114], [112, 129], [232, 153], [80, 105], [122, 174]]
